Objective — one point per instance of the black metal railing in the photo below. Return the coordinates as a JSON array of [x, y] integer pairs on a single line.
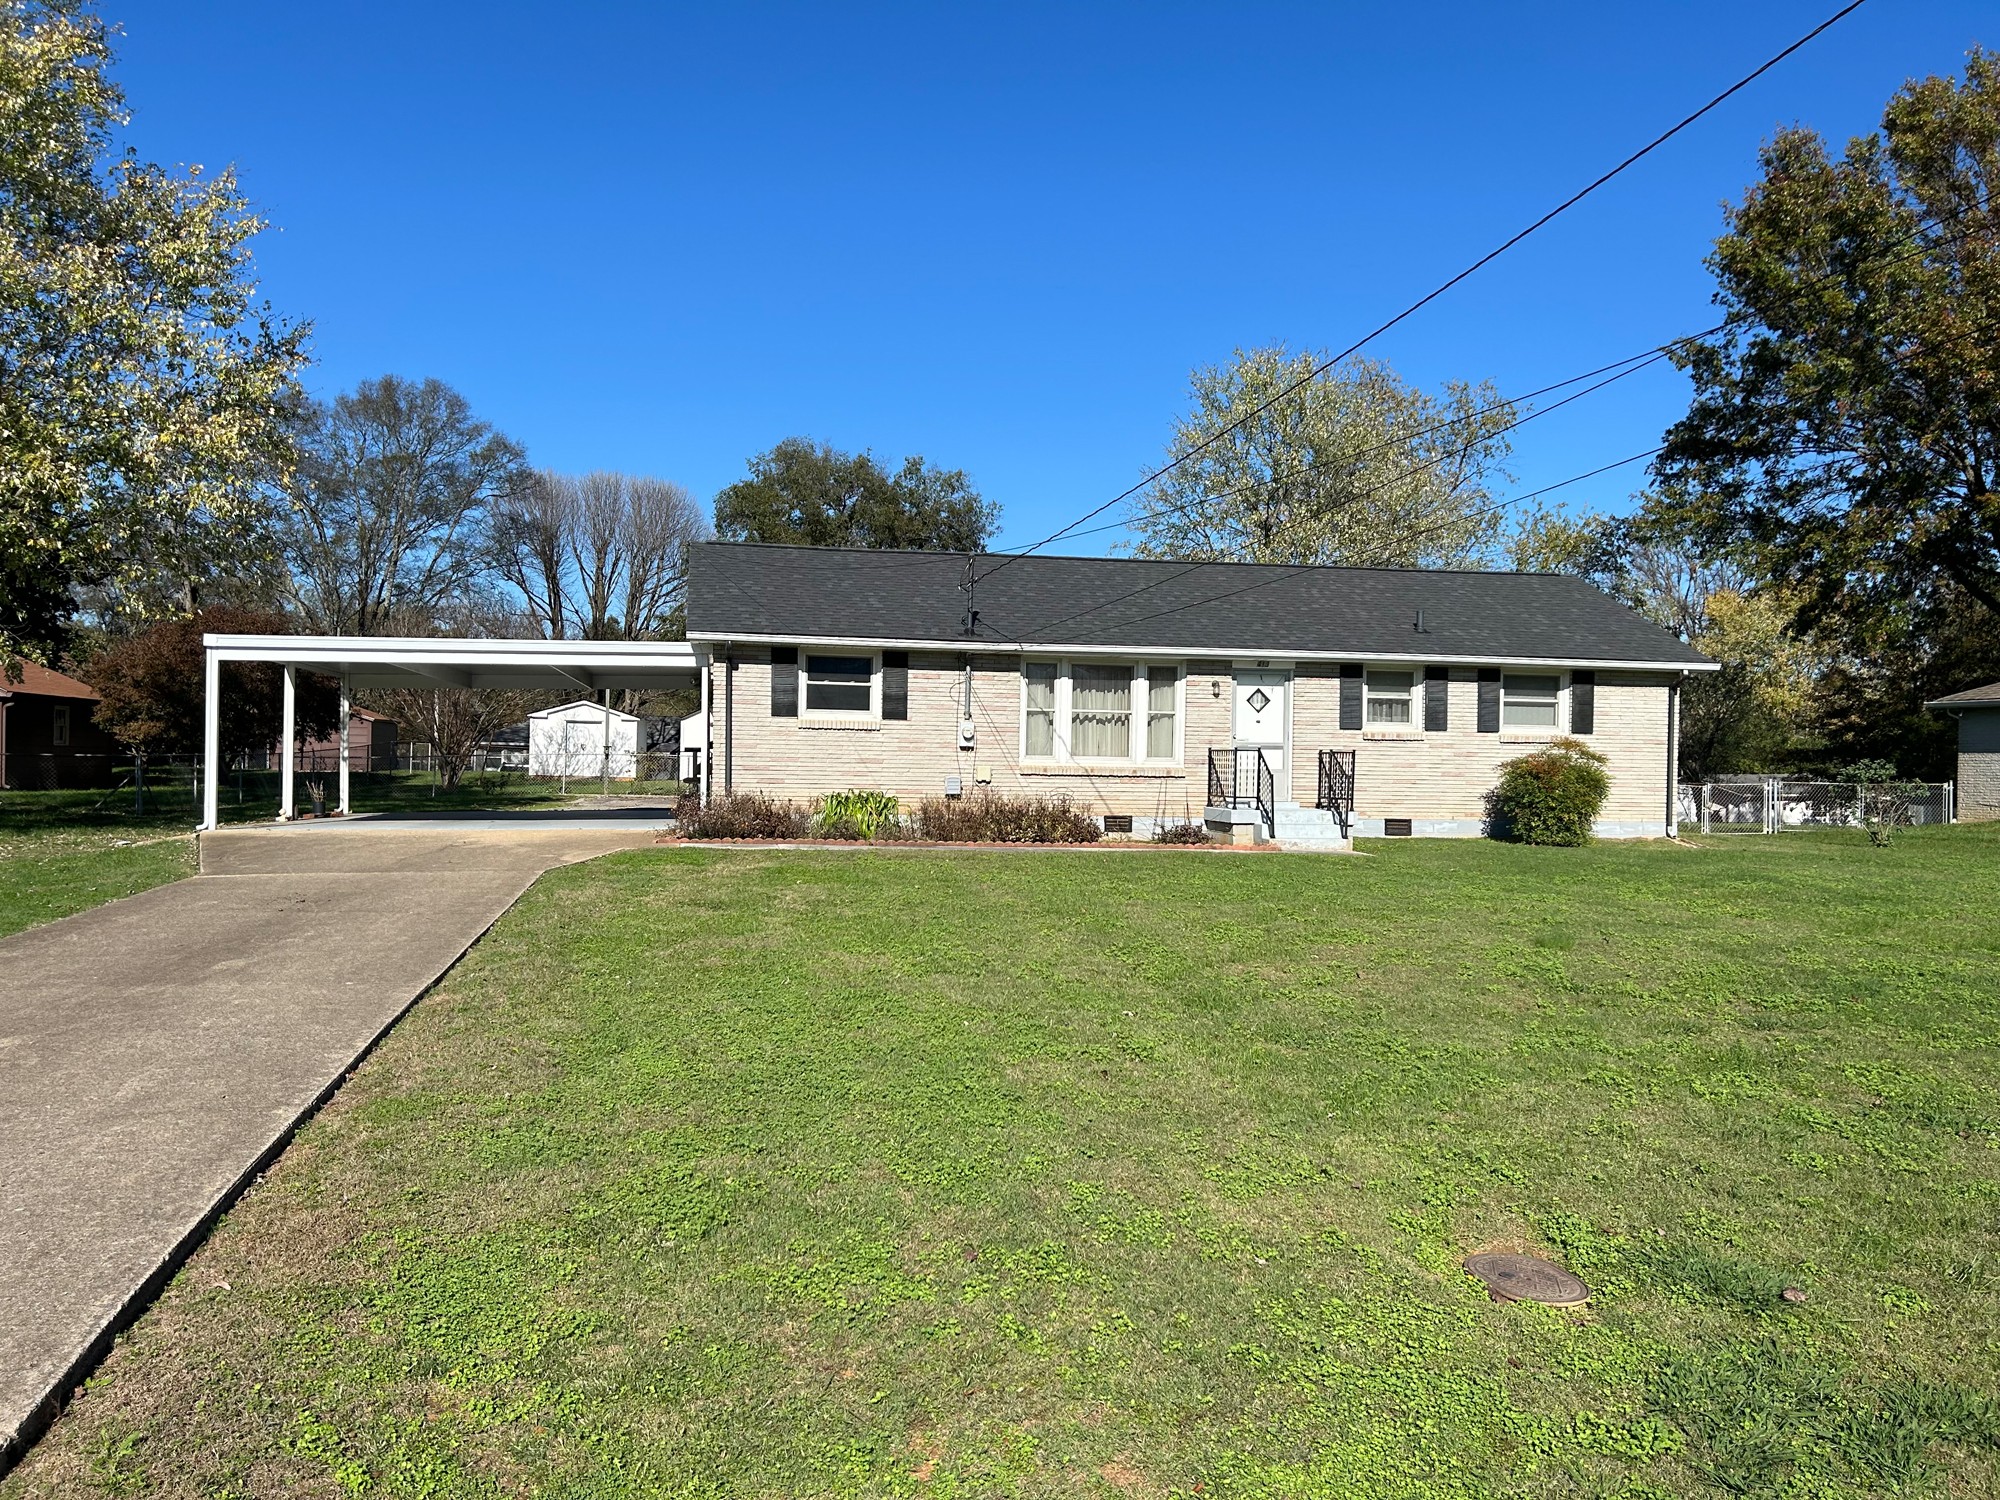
[[1336, 787], [1244, 777]]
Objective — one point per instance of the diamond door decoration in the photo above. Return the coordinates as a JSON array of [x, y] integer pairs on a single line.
[[1258, 700]]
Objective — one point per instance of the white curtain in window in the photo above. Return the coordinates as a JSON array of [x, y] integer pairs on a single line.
[[1389, 697], [1100, 713], [1041, 677], [1160, 713]]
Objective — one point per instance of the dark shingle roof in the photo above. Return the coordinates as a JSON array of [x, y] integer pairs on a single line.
[[738, 589], [1979, 697]]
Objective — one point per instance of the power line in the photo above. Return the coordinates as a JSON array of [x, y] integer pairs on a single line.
[[1431, 296], [1294, 572]]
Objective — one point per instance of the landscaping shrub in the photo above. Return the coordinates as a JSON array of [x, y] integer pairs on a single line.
[[856, 815], [1885, 799], [742, 815], [1551, 795], [1182, 833], [992, 819]]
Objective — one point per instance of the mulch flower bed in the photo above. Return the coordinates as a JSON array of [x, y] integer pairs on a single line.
[[1104, 846]]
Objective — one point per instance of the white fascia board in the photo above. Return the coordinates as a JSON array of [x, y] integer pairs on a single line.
[[1232, 653], [443, 651]]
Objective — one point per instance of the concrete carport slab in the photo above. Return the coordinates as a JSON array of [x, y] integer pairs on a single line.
[[156, 1052]]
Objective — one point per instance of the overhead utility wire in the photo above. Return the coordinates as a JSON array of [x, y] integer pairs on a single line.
[[1638, 362], [1349, 501], [1431, 296]]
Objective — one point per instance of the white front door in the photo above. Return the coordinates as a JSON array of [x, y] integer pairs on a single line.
[[1262, 714]]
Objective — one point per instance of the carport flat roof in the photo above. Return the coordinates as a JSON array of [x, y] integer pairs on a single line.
[[471, 662]]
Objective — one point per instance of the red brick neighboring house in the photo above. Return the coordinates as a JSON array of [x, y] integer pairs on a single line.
[[48, 738], [371, 746]]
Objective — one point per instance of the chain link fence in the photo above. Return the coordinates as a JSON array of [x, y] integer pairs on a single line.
[[1777, 805]]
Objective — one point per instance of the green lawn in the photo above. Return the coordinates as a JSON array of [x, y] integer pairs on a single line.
[[895, 1174], [61, 852]]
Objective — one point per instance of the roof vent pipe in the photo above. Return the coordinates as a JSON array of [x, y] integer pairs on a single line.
[[1419, 627]]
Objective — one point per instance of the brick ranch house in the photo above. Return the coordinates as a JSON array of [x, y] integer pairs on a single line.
[[1166, 691]]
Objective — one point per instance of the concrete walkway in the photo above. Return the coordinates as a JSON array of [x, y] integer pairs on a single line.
[[157, 1051]]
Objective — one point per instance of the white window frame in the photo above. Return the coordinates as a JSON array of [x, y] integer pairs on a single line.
[[1560, 699], [1139, 715], [1412, 722], [841, 715]]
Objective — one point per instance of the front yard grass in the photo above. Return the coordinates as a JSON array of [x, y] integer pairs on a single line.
[[900, 1174]]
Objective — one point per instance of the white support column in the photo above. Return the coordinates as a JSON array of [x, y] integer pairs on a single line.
[[707, 738], [211, 738], [287, 749], [346, 713], [605, 764]]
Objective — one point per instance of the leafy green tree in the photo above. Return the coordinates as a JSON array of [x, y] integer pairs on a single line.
[[1357, 467], [813, 494], [390, 506], [141, 392], [1845, 426]]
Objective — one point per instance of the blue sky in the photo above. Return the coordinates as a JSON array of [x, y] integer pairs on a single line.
[[662, 238]]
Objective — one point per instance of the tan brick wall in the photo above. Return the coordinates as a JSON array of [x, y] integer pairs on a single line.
[[1978, 789], [1425, 777], [1447, 775]]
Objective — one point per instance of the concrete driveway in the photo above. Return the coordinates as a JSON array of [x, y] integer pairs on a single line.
[[155, 1053]]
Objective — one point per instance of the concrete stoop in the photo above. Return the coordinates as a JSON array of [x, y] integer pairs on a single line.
[[1303, 829]]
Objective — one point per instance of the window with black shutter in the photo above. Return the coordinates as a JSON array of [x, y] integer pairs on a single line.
[[895, 684], [784, 682], [1582, 702], [1352, 693], [1437, 699], [1489, 700]]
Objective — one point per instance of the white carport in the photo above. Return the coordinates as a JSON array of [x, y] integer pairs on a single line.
[[410, 661]]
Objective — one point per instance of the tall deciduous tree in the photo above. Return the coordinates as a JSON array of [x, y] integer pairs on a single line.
[[1846, 424], [142, 391], [390, 505], [814, 494], [1356, 467], [602, 556]]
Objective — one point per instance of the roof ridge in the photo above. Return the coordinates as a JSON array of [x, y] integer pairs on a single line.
[[1158, 562]]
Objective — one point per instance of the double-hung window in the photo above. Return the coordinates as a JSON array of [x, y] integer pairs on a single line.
[[1530, 700], [59, 724], [840, 685], [1389, 699], [1039, 733], [1100, 711]]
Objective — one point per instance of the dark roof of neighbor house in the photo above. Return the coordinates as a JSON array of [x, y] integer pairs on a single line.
[[40, 682], [1979, 697], [744, 589]]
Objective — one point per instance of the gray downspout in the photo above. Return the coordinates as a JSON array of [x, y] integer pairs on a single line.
[[1674, 756]]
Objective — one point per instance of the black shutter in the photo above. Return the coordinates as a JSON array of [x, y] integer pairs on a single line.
[[1489, 700], [895, 684], [784, 682], [1350, 695], [1437, 699], [1582, 702]]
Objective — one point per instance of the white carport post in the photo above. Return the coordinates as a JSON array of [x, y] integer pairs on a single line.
[[286, 805], [346, 713], [211, 737]]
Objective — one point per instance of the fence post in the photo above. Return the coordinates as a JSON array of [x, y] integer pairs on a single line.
[[1950, 797]]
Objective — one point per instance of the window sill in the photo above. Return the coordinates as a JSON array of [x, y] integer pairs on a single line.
[[1393, 734], [1156, 770], [1528, 736], [830, 721]]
